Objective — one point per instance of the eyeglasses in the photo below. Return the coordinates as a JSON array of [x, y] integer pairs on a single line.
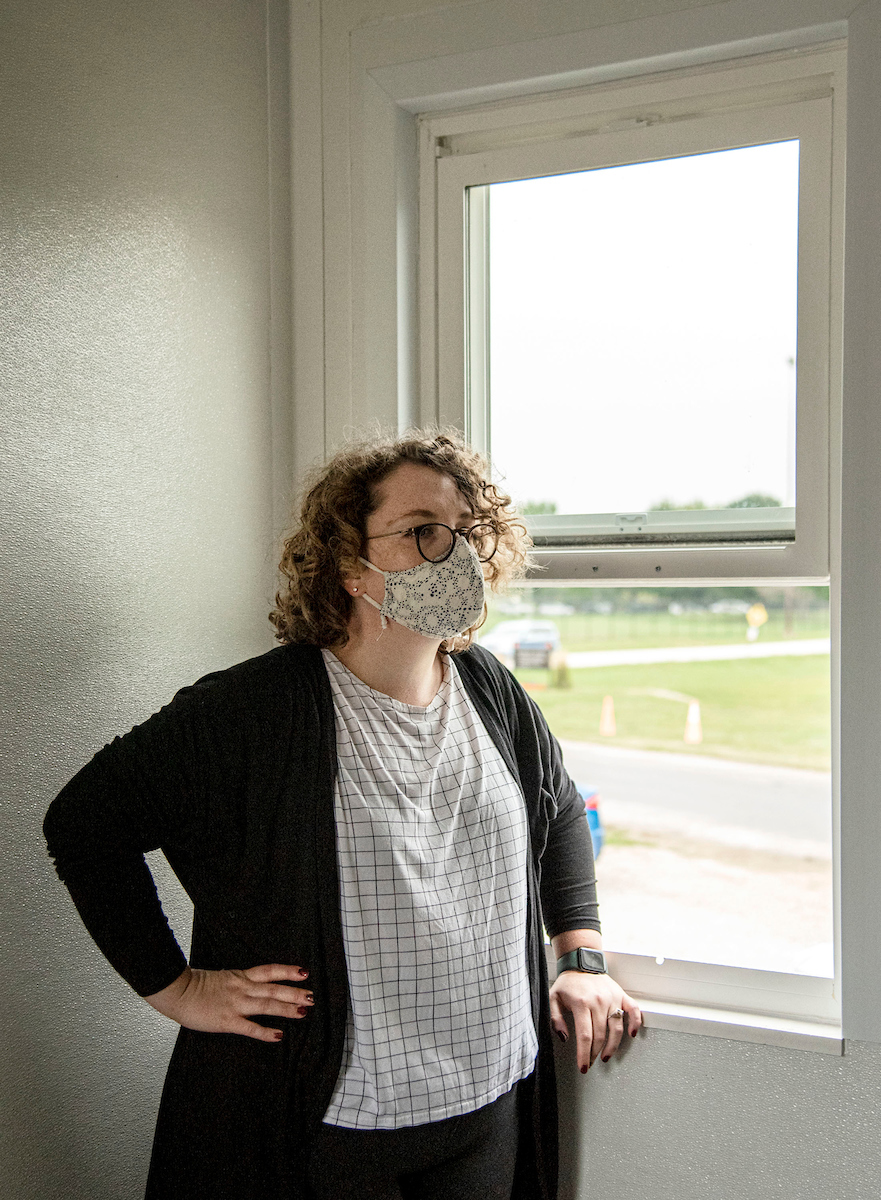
[[435, 542]]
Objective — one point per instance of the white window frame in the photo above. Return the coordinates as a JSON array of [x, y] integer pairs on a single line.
[[454, 144], [364, 299], [769, 100]]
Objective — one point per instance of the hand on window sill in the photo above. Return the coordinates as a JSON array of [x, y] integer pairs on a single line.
[[593, 1001]]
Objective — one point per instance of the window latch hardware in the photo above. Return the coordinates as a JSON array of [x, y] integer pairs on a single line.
[[631, 521]]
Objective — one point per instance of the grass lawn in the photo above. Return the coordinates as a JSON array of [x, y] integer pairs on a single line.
[[625, 630], [773, 710]]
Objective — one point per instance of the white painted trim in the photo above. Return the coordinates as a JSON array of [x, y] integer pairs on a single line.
[[771, 78], [712, 524], [740, 989], [280, 291], [407, 209], [836, 406], [375, 325], [860, 812], [475, 230], [426, 330], [689, 39], [743, 1027], [307, 235], [347, 130]]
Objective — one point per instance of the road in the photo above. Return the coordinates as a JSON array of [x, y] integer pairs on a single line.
[[775, 808]]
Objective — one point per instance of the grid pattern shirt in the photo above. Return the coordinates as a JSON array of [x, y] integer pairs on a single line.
[[432, 847]]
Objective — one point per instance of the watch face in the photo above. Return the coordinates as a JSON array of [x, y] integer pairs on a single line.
[[591, 960]]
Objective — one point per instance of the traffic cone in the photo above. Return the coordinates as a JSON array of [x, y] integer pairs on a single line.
[[607, 718], [694, 734]]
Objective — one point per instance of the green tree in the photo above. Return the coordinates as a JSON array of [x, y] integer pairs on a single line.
[[537, 507], [756, 500], [669, 506]]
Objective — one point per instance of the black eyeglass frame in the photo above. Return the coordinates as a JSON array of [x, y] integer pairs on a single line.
[[463, 533]]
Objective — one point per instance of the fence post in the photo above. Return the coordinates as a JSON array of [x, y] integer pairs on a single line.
[[607, 718]]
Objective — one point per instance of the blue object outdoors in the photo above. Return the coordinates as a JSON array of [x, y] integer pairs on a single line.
[[590, 796]]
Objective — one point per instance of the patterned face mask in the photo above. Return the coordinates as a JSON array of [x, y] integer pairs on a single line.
[[439, 600]]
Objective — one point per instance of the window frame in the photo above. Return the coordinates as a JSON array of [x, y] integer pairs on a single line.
[[768, 100], [738, 91]]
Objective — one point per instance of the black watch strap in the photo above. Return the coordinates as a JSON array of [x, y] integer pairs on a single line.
[[583, 959]]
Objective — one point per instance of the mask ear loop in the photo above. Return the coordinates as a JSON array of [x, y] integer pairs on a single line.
[[382, 617]]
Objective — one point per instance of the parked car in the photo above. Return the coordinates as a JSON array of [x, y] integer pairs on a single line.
[[523, 643], [590, 796]]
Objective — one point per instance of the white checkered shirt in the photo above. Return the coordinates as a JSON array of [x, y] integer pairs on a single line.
[[432, 850]]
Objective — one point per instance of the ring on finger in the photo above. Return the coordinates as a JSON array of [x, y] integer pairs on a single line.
[[616, 1012]]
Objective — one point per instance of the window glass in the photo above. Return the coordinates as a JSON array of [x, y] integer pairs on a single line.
[[649, 310], [697, 721]]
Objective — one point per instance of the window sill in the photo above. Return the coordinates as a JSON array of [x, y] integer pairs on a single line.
[[763, 1028], [743, 1027]]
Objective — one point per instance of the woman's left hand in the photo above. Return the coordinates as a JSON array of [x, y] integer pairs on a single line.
[[593, 1001]]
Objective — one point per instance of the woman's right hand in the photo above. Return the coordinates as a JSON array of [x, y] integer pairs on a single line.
[[222, 1001]]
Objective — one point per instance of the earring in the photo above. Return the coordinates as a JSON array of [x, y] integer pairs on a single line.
[[354, 589]]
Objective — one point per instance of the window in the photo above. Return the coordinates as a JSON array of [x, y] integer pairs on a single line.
[[654, 278], [696, 722], [662, 334], [637, 297]]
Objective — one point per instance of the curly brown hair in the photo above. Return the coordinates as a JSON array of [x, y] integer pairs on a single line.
[[313, 606]]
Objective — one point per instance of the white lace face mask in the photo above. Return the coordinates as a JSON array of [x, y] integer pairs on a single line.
[[439, 600]]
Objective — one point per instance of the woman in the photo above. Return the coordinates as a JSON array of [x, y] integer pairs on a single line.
[[373, 822]]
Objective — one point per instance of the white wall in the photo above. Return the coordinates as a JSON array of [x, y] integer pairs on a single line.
[[682, 1117], [143, 474]]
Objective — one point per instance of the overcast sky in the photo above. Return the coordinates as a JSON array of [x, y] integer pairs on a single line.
[[643, 331]]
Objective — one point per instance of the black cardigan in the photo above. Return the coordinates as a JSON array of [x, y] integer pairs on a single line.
[[234, 781]]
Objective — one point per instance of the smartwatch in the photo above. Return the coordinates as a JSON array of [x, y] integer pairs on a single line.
[[582, 959]]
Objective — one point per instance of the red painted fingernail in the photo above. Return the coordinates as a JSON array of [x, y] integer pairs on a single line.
[[584, 1070], [310, 999], [606, 1057], [633, 1032], [278, 1035], [303, 973], [562, 1036], [302, 1010]]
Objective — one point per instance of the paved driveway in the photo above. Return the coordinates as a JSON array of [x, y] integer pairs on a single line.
[[776, 808], [711, 860]]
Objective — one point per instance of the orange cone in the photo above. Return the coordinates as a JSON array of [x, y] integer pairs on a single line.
[[694, 734], [607, 718]]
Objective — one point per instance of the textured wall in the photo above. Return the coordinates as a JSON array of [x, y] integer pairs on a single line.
[[682, 1117], [136, 490]]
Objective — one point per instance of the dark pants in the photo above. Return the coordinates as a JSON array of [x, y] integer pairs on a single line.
[[461, 1158]]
